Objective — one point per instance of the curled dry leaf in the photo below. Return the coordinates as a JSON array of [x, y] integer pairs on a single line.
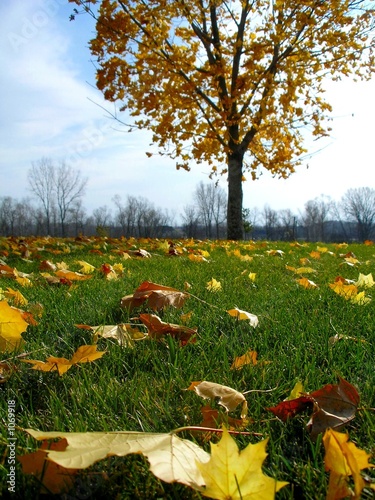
[[156, 296], [333, 406], [158, 328], [227, 397], [244, 315], [123, 333]]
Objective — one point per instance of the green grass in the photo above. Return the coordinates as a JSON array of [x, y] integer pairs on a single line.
[[143, 389]]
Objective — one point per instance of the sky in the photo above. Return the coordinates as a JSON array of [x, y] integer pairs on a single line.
[[50, 108]]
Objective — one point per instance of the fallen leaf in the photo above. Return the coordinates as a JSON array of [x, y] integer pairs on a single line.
[[306, 283], [158, 328], [54, 479], [12, 325], [249, 358], [71, 275], [343, 459], [244, 315], [213, 285], [334, 406], [123, 333], [171, 458], [16, 296], [237, 475], [227, 397], [365, 281], [83, 354], [156, 296]]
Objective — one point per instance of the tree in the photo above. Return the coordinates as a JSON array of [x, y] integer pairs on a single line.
[[358, 204], [229, 83], [69, 188], [58, 188], [315, 217], [270, 221], [190, 218], [211, 206], [41, 179]]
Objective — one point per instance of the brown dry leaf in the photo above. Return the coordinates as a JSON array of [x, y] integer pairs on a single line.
[[156, 296], [71, 275], [6, 370], [158, 328], [47, 265], [334, 406], [227, 397], [54, 479]]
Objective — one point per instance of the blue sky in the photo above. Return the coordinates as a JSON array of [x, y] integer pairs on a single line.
[[47, 83]]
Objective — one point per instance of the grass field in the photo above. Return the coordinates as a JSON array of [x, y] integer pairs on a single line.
[[143, 388]]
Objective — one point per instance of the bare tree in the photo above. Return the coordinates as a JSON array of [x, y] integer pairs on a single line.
[[212, 207], [69, 188], [315, 217], [102, 218], [41, 179], [270, 221], [287, 224], [358, 205], [190, 218]]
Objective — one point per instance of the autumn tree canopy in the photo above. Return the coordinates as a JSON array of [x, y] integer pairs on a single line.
[[229, 83]]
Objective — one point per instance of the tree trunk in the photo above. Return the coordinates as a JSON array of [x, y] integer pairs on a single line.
[[235, 196]]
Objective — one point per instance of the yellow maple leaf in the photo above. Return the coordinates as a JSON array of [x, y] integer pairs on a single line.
[[343, 459], [83, 354], [237, 475], [214, 286], [12, 324], [365, 280], [86, 268], [16, 296], [306, 283]]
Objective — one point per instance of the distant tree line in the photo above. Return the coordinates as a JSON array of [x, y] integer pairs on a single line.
[[56, 209]]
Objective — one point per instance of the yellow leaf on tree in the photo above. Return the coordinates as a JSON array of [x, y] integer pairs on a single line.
[[12, 325], [343, 459], [237, 475]]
